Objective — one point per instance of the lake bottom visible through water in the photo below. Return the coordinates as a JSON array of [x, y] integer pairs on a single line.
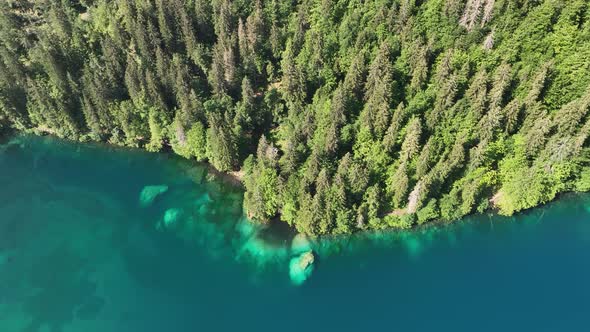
[[97, 238]]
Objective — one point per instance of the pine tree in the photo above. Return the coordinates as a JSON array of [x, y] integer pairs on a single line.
[[221, 144], [378, 94]]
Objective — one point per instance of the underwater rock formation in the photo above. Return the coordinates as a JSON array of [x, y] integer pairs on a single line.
[[252, 248], [149, 194], [300, 244], [301, 267], [203, 199], [171, 217]]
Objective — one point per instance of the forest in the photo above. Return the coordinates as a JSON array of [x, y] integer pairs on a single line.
[[341, 115]]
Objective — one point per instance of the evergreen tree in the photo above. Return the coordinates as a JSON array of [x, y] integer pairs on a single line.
[[343, 115]]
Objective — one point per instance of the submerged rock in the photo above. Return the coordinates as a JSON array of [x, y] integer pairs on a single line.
[[171, 217], [245, 228], [203, 210], [203, 199], [197, 174], [149, 194], [300, 244], [260, 252], [301, 267]]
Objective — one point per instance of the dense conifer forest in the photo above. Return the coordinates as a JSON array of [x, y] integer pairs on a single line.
[[342, 115]]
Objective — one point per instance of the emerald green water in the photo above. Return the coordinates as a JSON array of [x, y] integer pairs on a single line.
[[80, 252]]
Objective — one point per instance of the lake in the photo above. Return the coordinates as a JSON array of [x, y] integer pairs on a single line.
[[97, 238]]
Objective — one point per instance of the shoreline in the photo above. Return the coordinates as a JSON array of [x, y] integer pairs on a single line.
[[235, 178]]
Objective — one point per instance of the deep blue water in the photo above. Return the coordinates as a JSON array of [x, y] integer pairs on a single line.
[[78, 252]]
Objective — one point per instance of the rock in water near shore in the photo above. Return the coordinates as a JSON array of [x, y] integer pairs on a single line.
[[301, 267], [149, 194], [203, 200], [170, 218], [300, 244]]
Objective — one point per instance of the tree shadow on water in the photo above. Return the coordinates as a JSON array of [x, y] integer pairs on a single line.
[[63, 291]]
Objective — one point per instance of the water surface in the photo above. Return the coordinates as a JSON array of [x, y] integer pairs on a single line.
[[78, 252]]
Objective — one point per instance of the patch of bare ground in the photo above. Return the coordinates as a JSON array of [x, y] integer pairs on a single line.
[[495, 199], [398, 212], [235, 178]]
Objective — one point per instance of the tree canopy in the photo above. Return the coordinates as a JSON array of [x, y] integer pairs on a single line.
[[344, 115]]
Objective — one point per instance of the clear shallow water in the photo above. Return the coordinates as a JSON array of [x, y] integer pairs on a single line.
[[79, 253]]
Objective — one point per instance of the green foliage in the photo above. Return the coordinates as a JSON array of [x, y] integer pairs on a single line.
[[197, 141], [262, 198], [355, 114], [221, 147], [583, 184], [429, 212], [400, 222], [525, 188]]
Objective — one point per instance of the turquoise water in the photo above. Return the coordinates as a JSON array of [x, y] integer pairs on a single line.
[[80, 251]]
